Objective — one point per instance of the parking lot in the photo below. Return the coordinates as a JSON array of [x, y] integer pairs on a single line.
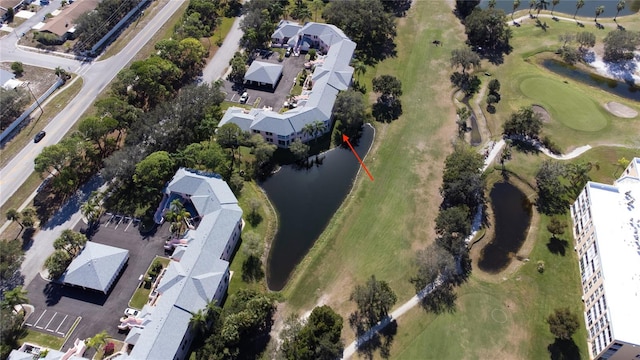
[[58, 306], [268, 97], [51, 322]]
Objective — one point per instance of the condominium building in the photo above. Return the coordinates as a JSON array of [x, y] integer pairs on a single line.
[[606, 227], [331, 75]]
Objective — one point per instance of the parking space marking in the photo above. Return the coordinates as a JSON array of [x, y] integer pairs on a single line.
[[49, 323], [41, 315], [63, 320]]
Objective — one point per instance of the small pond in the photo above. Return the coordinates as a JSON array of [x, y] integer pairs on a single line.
[[616, 87], [305, 200], [565, 7], [512, 216]]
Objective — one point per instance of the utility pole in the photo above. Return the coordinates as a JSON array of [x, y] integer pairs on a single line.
[[37, 102]]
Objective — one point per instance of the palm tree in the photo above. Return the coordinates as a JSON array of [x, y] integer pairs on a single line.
[[97, 340], [28, 217], [303, 14], [308, 130], [599, 11], [620, 6], [359, 67], [316, 5], [579, 5], [198, 323], [492, 4], [541, 5], [553, 5], [532, 4], [17, 296], [318, 128], [14, 215], [516, 5]]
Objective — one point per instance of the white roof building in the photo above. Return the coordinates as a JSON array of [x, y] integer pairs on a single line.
[[96, 267], [329, 78], [607, 230], [199, 275], [263, 73]]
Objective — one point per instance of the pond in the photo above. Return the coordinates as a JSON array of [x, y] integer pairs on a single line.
[[512, 216], [620, 88], [568, 8], [305, 200]]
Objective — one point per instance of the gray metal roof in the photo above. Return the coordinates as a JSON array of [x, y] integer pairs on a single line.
[[5, 76], [263, 72], [286, 29], [332, 76], [197, 278], [96, 267]]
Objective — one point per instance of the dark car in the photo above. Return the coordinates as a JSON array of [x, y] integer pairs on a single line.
[[39, 136]]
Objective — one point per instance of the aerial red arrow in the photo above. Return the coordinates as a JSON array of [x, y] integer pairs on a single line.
[[345, 138]]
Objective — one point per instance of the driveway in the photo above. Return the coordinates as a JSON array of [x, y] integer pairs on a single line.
[[57, 306]]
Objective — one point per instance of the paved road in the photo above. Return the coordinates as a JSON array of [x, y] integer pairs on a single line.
[[96, 75], [220, 61]]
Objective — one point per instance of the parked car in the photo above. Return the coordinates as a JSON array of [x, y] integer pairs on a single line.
[[39, 136], [244, 97], [131, 312], [288, 52]]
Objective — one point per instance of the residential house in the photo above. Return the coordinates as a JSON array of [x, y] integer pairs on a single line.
[[198, 274], [606, 222], [329, 78], [64, 24], [5, 5]]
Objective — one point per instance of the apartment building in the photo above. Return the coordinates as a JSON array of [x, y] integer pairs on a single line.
[[606, 221]]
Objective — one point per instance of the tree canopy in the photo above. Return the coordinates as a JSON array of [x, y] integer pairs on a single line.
[[463, 182], [563, 323], [524, 123], [488, 32], [366, 23], [350, 109], [619, 45], [552, 192], [318, 338], [374, 299]]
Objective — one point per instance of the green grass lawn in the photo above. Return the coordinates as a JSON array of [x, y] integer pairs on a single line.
[[381, 224], [577, 112], [42, 339], [377, 229], [569, 107]]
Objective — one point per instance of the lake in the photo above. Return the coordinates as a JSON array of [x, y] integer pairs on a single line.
[[306, 200], [512, 216], [568, 8]]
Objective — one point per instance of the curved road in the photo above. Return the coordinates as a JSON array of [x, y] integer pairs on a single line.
[[97, 75]]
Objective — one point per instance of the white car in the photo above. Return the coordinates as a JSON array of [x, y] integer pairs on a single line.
[[244, 97], [131, 312]]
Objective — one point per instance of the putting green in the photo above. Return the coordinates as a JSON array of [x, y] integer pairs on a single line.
[[570, 107]]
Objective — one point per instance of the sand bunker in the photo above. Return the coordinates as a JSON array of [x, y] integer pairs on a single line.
[[542, 112], [620, 110]]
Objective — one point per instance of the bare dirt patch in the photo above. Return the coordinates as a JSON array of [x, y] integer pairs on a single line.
[[620, 110], [544, 114]]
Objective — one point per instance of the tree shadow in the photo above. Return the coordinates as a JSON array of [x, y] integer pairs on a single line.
[[441, 299], [383, 112], [27, 238], [252, 269], [526, 147], [564, 350], [557, 246], [382, 340]]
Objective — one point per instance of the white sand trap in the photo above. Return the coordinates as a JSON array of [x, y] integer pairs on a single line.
[[620, 110]]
